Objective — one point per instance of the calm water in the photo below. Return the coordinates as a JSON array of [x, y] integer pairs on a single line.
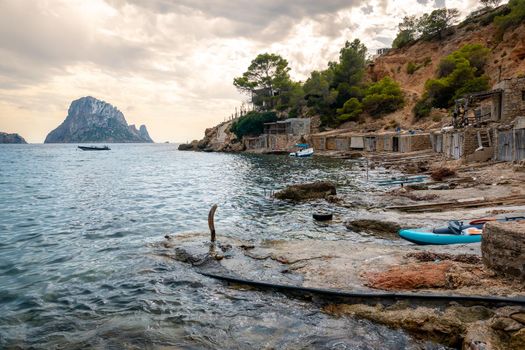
[[77, 267]]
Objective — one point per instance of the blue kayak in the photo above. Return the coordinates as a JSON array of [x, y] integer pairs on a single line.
[[425, 237]]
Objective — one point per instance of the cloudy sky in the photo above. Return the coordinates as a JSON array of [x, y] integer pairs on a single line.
[[170, 64]]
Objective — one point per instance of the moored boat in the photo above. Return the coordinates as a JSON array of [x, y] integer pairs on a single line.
[[304, 151], [94, 148]]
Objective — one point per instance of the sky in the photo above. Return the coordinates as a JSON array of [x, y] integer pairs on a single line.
[[170, 64]]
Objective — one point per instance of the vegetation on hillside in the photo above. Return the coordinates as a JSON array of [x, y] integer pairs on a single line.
[[383, 97], [459, 73], [341, 93], [427, 27], [514, 17]]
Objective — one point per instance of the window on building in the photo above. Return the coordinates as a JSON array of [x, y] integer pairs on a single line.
[[523, 95]]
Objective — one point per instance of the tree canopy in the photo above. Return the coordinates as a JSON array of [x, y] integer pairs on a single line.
[[266, 76], [349, 71], [435, 23], [408, 32], [490, 3], [427, 27], [383, 97]]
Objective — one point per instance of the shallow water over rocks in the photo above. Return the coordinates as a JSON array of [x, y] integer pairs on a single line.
[[78, 267]]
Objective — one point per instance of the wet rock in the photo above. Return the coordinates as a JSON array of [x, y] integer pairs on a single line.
[[479, 337], [315, 190], [446, 327], [188, 146], [519, 316], [410, 277], [373, 226], [506, 324]]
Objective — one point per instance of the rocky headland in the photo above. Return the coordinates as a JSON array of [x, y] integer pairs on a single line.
[[93, 120], [11, 138]]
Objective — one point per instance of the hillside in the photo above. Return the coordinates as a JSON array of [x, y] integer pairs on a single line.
[[410, 66], [506, 60]]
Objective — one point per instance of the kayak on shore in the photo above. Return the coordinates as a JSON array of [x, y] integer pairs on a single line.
[[455, 233], [422, 237]]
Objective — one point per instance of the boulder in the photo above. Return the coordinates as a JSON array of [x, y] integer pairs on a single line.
[[309, 191], [503, 248], [373, 226], [187, 146]]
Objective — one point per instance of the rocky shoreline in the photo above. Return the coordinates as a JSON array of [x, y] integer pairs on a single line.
[[397, 266]]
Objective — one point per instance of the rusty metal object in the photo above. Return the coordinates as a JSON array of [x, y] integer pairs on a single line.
[[211, 221]]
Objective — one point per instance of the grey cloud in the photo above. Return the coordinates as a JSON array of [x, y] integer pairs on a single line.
[[368, 9], [258, 19], [384, 40], [36, 45]]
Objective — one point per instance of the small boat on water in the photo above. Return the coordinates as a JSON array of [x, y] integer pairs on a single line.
[[304, 151], [94, 148]]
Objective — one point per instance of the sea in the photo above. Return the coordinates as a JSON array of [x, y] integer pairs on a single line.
[[78, 268]]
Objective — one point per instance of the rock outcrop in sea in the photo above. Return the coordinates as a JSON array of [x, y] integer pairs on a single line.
[[93, 120], [11, 138]]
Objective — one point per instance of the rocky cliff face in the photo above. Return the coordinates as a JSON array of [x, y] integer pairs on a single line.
[[216, 139], [506, 59], [93, 120], [11, 138]]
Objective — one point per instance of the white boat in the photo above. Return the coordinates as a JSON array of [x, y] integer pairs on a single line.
[[304, 151]]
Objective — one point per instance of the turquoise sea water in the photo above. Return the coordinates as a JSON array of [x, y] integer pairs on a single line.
[[78, 271]]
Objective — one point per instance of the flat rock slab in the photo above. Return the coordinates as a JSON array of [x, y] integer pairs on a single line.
[[309, 191]]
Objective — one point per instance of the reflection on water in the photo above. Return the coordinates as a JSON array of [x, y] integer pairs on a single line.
[[77, 270]]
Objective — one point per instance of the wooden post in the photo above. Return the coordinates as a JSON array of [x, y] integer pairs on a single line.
[[211, 221]]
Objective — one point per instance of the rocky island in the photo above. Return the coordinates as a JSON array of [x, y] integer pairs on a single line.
[[11, 138], [93, 120]]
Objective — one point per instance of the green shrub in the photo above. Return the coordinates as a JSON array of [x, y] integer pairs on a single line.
[[403, 38], [514, 17], [422, 108], [252, 124], [458, 74], [351, 110], [411, 68], [383, 97]]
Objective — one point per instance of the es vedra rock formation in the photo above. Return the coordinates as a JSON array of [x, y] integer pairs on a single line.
[[92, 120], [11, 138]]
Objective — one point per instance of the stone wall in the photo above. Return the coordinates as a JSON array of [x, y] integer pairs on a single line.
[[255, 143], [412, 143], [503, 248], [513, 103]]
